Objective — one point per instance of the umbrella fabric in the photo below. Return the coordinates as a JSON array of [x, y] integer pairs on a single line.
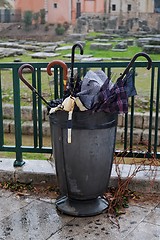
[[90, 87], [113, 100], [129, 84]]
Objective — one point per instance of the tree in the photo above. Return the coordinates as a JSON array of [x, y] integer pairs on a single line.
[[27, 18], [42, 16]]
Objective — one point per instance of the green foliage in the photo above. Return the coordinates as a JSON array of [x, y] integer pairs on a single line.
[[60, 29], [42, 16], [27, 18]]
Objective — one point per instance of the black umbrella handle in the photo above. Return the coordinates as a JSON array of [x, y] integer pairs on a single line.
[[71, 84], [20, 73], [140, 54]]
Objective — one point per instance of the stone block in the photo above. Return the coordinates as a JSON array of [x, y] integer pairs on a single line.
[[8, 111], [12, 127], [75, 37], [45, 115], [120, 120], [121, 45], [100, 46], [27, 128], [26, 113], [138, 120], [46, 129], [6, 125], [137, 135], [151, 49], [146, 120], [145, 136], [119, 135]]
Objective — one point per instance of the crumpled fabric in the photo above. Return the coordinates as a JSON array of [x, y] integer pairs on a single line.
[[98, 93], [115, 100], [90, 87], [129, 84]]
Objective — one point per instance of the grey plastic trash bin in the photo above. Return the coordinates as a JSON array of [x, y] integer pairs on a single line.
[[83, 167]]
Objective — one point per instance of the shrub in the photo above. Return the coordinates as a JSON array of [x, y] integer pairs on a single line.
[[27, 18], [59, 29]]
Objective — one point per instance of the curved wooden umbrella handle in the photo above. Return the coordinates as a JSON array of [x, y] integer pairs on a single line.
[[65, 70], [20, 73]]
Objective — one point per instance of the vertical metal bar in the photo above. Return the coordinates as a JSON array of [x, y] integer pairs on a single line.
[[125, 131], [151, 109], [109, 73], [131, 123], [17, 118], [132, 116], [79, 72], [1, 115], [35, 132], [61, 83], [103, 69], [39, 88], [84, 71], [157, 113], [56, 83]]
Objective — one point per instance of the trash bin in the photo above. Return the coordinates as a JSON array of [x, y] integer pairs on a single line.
[[84, 166]]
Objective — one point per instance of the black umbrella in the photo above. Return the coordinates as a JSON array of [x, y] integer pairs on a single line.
[[140, 54], [72, 84]]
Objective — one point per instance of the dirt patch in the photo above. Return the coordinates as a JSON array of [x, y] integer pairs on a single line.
[[42, 32], [24, 190]]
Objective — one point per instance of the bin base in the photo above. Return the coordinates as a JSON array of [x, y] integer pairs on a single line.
[[82, 208]]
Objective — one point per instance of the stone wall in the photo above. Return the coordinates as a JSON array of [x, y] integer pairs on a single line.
[[140, 131], [147, 22]]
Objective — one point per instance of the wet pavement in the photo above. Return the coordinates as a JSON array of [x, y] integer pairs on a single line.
[[34, 217], [31, 217]]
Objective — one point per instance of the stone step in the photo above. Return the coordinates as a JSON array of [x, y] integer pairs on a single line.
[[139, 135]]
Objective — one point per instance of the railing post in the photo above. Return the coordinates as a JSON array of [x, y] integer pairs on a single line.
[[1, 116], [157, 113], [17, 118]]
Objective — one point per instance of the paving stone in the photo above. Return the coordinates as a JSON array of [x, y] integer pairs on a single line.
[[154, 217], [37, 220], [145, 231], [101, 227], [10, 205]]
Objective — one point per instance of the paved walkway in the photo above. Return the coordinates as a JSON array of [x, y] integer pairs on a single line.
[[32, 218], [36, 218]]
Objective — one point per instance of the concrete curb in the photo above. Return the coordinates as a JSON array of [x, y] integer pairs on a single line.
[[39, 172]]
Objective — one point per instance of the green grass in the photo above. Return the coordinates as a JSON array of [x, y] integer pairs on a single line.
[[27, 140]]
